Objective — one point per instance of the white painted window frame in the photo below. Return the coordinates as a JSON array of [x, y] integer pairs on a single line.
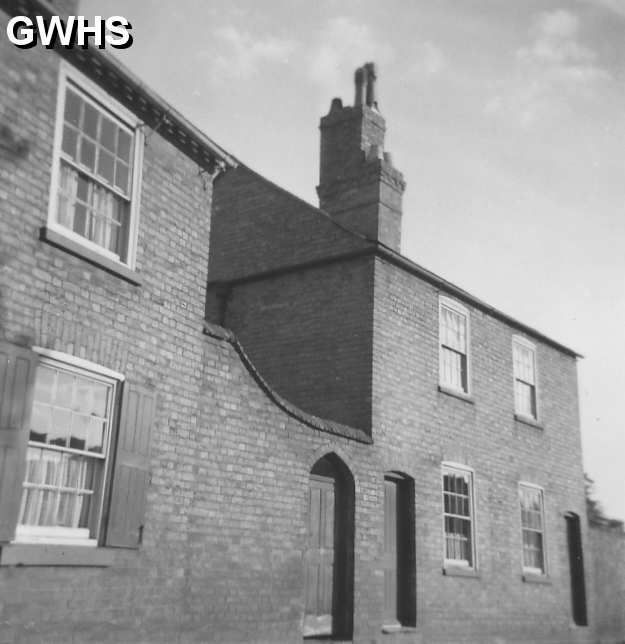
[[451, 466], [457, 307], [76, 536], [92, 93], [529, 569], [523, 341]]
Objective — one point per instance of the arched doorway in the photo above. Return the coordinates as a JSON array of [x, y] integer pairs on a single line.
[[329, 556]]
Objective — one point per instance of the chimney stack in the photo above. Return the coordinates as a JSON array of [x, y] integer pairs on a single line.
[[358, 184]]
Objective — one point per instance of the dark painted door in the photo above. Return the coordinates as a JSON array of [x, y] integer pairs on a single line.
[[576, 563], [390, 552]]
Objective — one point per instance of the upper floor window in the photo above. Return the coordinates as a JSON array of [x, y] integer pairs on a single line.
[[458, 516], [95, 179], [454, 345], [524, 358], [532, 528]]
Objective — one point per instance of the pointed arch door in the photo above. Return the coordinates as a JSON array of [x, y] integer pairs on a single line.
[[329, 555]]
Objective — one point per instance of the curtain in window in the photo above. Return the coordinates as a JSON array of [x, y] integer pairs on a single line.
[[105, 218], [90, 210], [453, 330], [57, 489], [68, 190]]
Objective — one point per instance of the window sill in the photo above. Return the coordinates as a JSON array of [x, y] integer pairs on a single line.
[[28, 554], [533, 578], [456, 393], [450, 570], [528, 420], [389, 629], [78, 250]]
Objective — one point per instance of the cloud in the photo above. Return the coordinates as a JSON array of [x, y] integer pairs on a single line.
[[342, 46], [241, 54], [556, 49], [554, 70]]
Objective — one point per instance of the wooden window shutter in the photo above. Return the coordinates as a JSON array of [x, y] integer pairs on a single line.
[[17, 377], [131, 468]]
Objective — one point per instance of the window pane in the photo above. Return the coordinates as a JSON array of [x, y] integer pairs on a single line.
[[121, 176], [44, 384], [82, 188], [84, 396], [65, 515], [453, 329], [70, 141], [40, 423], [80, 219], [95, 436], [48, 508], [100, 399], [124, 144], [72, 108], [106, 164], [64, 389], [61, 422], [78, 435], [453, 369], [90, 124], [87, 154], [524, 363], [107, 134]]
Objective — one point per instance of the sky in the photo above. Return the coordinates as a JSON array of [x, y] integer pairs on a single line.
[[506, 118]]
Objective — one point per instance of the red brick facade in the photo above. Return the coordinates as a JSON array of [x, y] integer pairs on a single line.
[[318, 341]]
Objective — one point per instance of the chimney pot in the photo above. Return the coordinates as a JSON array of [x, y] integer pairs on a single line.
[[371, 78], [359, 77], [337, 104]]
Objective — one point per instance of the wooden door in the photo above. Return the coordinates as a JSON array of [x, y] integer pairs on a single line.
[[319, 557]]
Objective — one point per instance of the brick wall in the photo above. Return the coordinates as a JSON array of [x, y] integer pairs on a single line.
[[309, 333], [607, 549], [257, 226], [422, 426]]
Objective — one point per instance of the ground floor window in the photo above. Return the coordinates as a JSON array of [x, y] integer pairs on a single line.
[[458, 516], [532, 528], [66, 458]]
